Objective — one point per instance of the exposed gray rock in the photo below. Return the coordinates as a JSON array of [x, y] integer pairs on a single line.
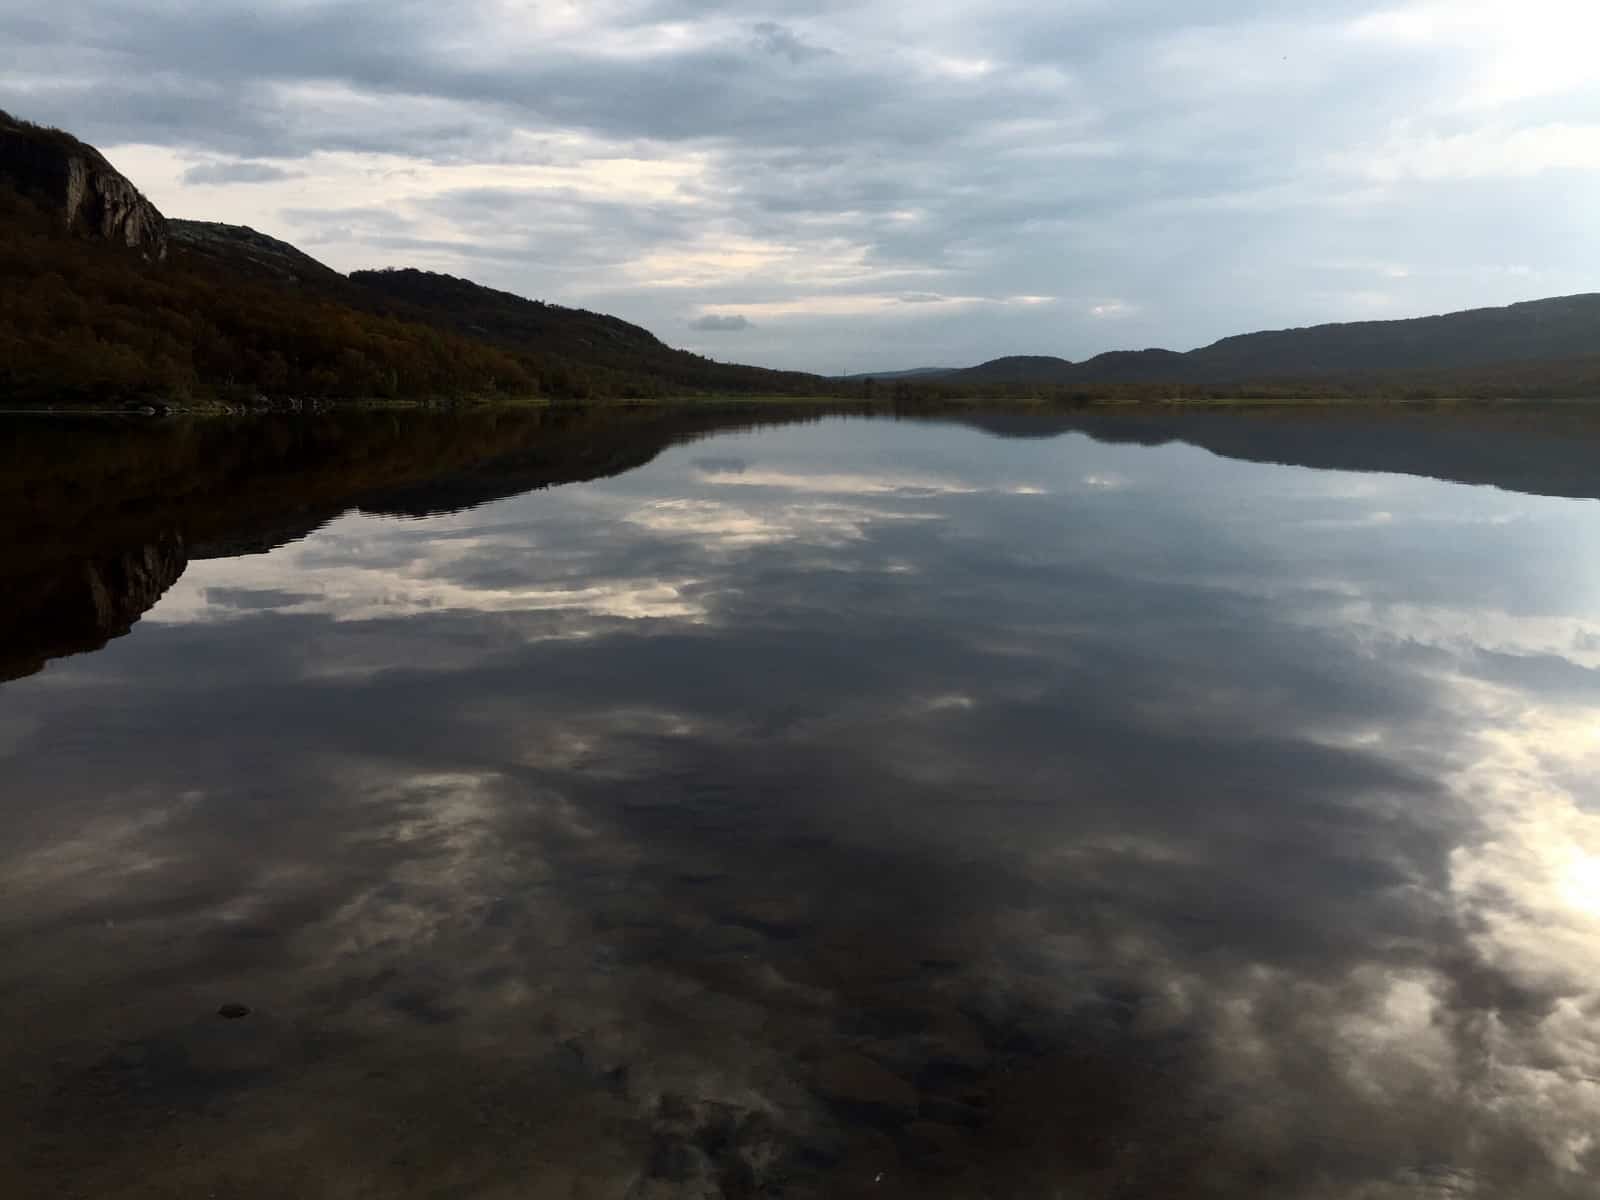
[[246, 251], [74, 180]]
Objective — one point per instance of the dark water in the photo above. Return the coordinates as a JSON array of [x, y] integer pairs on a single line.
[[843, 808]]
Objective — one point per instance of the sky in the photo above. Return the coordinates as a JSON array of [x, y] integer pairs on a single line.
[[869, 186]]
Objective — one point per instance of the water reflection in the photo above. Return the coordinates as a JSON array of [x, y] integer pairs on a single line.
[[851, 808]]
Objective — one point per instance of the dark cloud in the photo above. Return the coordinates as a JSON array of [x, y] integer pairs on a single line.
[[717, 323], [773, 38]]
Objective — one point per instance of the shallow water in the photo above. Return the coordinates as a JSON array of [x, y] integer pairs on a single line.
[[830, 809]]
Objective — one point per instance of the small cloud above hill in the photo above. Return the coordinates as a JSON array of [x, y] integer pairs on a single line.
[[713, 323], [1111, 310], [236, 172]]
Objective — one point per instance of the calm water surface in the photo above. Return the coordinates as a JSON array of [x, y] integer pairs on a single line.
[[851, 808]]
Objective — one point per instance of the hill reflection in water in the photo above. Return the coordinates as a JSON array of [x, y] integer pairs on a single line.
[[845, 808]]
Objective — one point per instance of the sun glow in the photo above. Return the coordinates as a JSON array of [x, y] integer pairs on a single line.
[[1580, 882]]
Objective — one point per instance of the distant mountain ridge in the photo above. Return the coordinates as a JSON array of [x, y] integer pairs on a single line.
[[911, 373], [1564, 327]]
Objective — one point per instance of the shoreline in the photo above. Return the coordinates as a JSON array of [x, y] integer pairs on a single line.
[[888, 404]]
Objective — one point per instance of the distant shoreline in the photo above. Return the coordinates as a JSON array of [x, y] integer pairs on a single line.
[[151, 409]]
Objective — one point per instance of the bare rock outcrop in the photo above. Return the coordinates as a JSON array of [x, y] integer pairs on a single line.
[[249, 254], [76, 182]]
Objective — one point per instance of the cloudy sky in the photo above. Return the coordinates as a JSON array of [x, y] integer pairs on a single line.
[[856, 186]]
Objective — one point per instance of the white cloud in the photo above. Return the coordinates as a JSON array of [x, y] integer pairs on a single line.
[[721, 323], [1495, 151], [839, 484], [1501, 50], [408, 580], [720, 526]]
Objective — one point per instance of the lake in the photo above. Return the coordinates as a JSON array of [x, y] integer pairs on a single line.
[[747, 804]]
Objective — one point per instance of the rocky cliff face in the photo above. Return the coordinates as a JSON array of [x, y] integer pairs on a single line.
[[74, 180]]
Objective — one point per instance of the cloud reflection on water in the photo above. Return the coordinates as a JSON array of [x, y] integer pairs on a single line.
[[1206, 834]]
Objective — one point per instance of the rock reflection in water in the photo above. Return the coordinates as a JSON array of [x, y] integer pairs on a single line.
[[82, 604], [848, 809]]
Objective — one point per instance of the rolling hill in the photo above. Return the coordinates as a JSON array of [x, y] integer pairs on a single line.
[[108, 300], [594, 340], [1562, 330]]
